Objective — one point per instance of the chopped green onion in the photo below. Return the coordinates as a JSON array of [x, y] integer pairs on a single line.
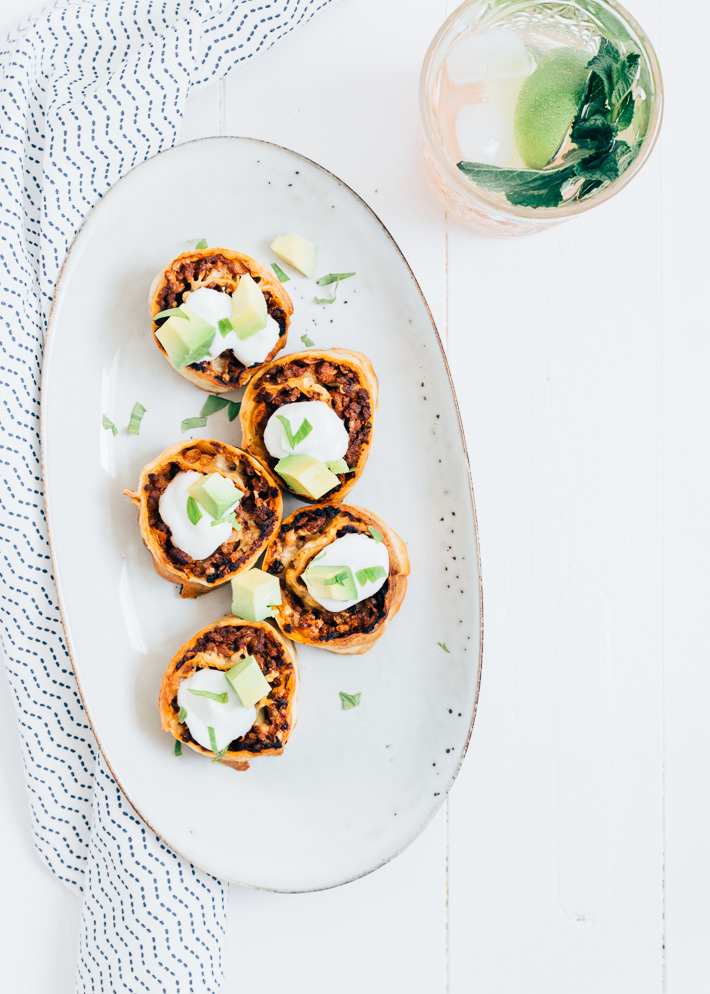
[[212, 405], [338, 578], [333, 278], [193, 511], [228, 518], [189, 423], [339, 466], [377, 535], [134, 425], [182, 714], [218, 753], [225, 326], [280, 273], [219, 698], [234, 409], [109, 425], [443, 646], [349, 700], [308, 342], [172, 312], [370, 573], [303, 432], [178, 747], [202, 244]]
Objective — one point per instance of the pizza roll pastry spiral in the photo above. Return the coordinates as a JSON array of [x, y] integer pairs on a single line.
[[263, 727], [223, 543], [336, 390], [313, 541], [204, 281]]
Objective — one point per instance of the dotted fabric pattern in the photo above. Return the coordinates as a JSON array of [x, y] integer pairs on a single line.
[[90, 88]]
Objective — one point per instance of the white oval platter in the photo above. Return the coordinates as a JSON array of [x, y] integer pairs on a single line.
[[353, 788]]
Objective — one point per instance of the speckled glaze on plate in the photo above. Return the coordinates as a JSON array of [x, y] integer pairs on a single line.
[[353, 788]]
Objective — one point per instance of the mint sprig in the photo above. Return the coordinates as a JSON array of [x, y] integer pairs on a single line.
[[599, 158]]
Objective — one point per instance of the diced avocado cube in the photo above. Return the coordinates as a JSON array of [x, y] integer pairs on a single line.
[[254, 594], [249, 312], [297, 252], [248, 682], [186, 340], [335, 582], [216, 493], [306, 475]]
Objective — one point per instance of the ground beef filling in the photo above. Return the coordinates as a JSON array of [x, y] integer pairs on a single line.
[[253, 513], [272, 727], [351, 401], [215, 272], [317, 623]]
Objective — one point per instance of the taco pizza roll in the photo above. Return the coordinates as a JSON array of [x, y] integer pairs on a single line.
[[310, 417], [218, 316], [206, 512], [343, 576], [231, 692]]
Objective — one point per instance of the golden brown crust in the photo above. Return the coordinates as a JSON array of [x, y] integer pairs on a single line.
[[302, 537], [217, 269], [259, 513], [220, 646], [342, 379]]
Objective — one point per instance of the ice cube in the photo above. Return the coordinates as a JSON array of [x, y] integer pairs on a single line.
[[476, 57], [485, 134]]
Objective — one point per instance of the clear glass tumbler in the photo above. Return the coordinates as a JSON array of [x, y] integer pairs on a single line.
[[470, 103]]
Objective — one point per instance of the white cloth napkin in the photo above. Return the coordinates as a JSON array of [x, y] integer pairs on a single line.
[[90, 88]]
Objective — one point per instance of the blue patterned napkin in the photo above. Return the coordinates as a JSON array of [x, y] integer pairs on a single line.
[[90, 88]]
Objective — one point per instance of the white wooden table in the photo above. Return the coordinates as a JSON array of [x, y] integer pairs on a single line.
[[572, 857]]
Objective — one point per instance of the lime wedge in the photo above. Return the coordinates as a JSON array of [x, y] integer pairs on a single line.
[[548, 103]]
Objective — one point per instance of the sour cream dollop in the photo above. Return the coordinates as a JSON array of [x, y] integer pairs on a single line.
[[230, 721], [358, 552], [328, 440], [198, 541], [213, 306]]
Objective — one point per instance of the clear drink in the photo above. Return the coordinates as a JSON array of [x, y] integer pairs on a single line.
[[536, 111]]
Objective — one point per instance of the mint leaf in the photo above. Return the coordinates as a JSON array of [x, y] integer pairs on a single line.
[[283, 278], [225, 326], [443, 646], [182, 714], [626, 112], [234, 409], [308, 342], [212, 405], [522, 187], [178, 747], [376, 534], [202, 244], [624, 77]]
